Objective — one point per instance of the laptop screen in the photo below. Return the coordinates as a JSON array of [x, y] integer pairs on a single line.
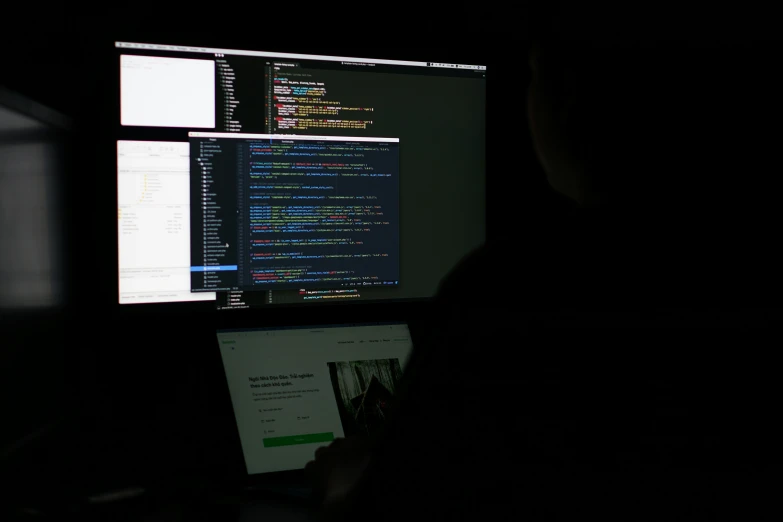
[[295, 389]]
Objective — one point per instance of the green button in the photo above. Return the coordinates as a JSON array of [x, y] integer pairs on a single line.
[[310, 438]]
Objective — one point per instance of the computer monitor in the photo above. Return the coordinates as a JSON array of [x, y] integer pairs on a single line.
[[277, 178]]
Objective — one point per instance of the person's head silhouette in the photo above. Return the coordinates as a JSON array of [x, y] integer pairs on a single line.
[[641, 126]]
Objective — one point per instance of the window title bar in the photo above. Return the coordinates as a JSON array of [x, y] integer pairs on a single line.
[[237, 135], [292, 56], [351, 326]]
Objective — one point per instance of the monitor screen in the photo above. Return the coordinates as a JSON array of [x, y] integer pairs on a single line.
[[260, 178], [294, 389]]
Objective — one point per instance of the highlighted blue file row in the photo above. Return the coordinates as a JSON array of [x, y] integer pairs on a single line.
[[213, 268]]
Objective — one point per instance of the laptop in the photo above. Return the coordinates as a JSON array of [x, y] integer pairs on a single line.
[[295, 389]]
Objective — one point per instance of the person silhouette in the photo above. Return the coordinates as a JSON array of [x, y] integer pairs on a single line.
[[631, 135]]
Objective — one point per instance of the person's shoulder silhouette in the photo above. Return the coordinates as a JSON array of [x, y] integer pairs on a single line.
[[669, 175]]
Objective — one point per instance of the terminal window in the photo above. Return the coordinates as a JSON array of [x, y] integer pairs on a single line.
[[293, 212]]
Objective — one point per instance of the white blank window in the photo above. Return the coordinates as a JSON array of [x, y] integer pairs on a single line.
[[167, 92]]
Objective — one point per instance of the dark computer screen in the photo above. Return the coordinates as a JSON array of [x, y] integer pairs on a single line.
[[317, 177]]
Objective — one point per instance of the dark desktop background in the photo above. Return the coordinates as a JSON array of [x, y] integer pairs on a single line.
[[96, 396]]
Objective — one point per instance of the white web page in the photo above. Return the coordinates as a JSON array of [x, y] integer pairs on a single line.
[[153, 222], [167, 92], [295, 390]]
